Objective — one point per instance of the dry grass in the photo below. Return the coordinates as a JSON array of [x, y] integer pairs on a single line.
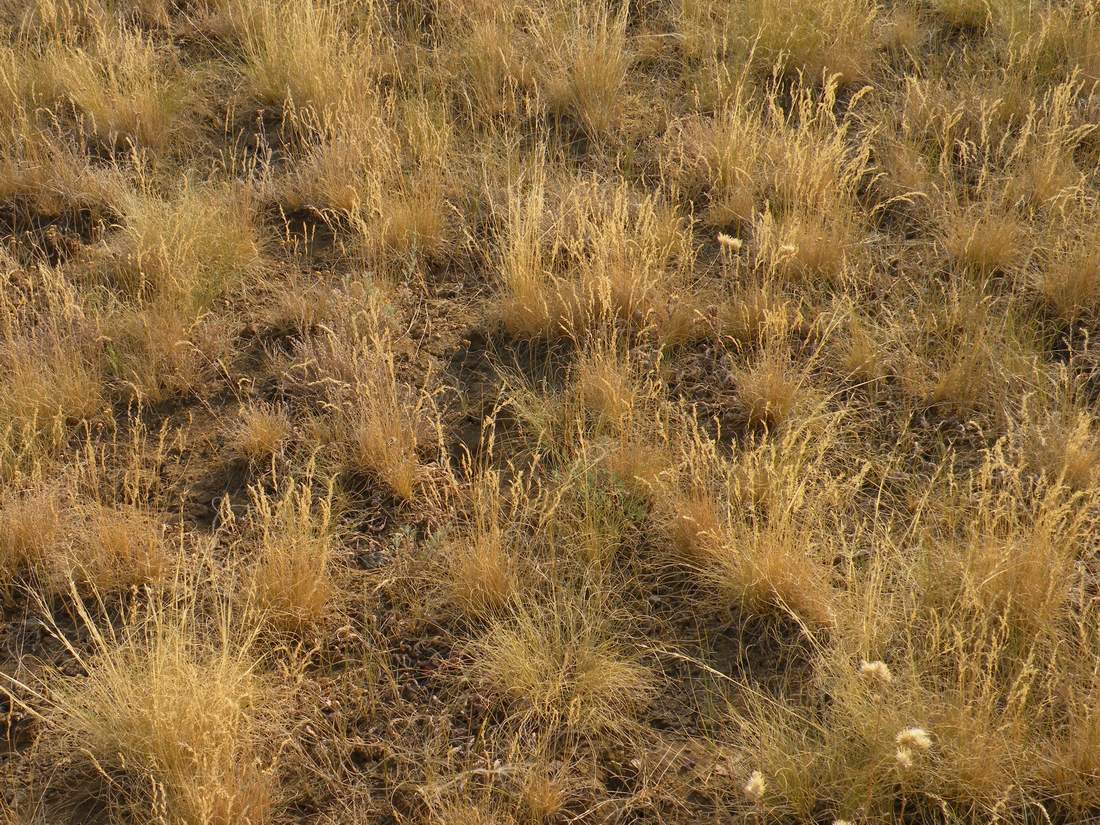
[[549, 411], [261, 432], [168, 713], [767, 391], [585, 56], [48, 380], [832, 38], [574, 259], [124, 88], [384, 424], [30, 532], [481, 574], [303, 55], [562, 669], [196, 245], [292, 579], [1070, 282], [117, 549]]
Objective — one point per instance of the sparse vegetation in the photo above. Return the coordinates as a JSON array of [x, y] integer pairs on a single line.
[[549, 411]]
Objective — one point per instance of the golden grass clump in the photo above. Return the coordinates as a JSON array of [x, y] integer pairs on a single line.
[[482, 562], [482, 573], [755, 157], [493, 60], [346, 156], [862, 357], [160, 352], [965, 14], [192, 246], [46, 381], [1070, 282], [116, 549], [1026, 574], [798, 246], [964, 356], [124, 87], [757, 314], [30, 536], [769, 571], [768, 391], [609, 387], [1008, 559], [585, 57], [619, 257], [170, 718], [392, 187], [293, 576], [923, 721], [382, 423], [46, 176], [1072, 755], [260, 432], [754, 550], [384, 444], [544, 795], [561, 666], [1063, 445], [54, 544], [985, 243], [835, 38], [304, 55]]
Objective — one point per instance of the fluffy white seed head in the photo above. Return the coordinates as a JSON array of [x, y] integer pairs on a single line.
[[876, 670], [755, 787], [914, 738], [729, 242], [904, 758]]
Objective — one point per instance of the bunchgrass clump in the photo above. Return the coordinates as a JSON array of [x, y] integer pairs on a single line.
[[169, 713]]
